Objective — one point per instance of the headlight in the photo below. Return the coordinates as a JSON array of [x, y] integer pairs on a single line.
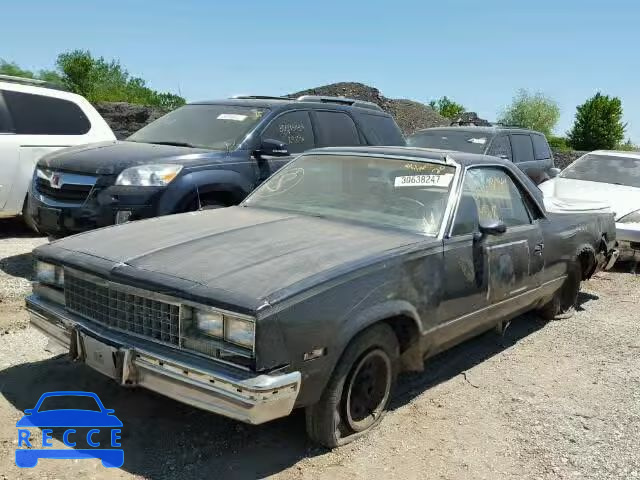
[[209, 323], [239, 331], [49, 274], [633, 217], [149, 175], [232, 329]]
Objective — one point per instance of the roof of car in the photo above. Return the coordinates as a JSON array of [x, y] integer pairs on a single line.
[[492, 130], [283, 102], [419, 154], [617, 153]]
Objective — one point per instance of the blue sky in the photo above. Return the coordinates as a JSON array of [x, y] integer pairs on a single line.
[[476, 52]]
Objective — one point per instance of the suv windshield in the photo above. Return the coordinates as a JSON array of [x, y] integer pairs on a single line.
[[217, 127], [409, 195], [605, 169], [459, 140]]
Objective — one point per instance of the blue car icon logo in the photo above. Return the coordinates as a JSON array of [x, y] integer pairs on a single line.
[[97, 418]]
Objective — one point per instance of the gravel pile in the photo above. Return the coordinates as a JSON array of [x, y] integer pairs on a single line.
[[126, 118], [410, 115]]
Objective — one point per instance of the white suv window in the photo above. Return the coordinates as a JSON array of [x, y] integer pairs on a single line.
[[41, 115]]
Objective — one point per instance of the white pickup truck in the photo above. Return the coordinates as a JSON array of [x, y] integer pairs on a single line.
[[35, 119]]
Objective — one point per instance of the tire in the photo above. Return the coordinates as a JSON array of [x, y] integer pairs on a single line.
[[362, 381], [563, 303]]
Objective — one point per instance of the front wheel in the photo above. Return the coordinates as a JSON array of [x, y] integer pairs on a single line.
[[359, 390]]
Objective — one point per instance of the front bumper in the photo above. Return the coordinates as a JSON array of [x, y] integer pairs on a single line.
[[100, 209], [225, 390], [628, 235]]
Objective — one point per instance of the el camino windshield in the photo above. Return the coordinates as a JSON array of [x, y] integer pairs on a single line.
[[459, 140], [217, 127], [605, 169], [382, 192]]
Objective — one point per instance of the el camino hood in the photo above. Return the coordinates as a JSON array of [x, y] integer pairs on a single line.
[[241, 255], [621, 198], [110, 158]]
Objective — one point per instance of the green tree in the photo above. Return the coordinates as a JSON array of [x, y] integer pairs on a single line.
[[598, 124], [11, 68], [628, 146], [534, 111], [447, 107]]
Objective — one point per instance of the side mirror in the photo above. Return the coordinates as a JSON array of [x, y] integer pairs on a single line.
[[272, 148], [554, 172], [492, 227]]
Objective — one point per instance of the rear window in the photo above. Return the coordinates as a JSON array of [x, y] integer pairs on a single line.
[[540, 147], [336, 129], [522, 148], [42, 115], [381, 130], [458, 140]]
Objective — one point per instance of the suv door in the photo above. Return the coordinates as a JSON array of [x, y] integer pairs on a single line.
[[501, 147], [293, 128], [486, 271], [8, 153], [542, 154]]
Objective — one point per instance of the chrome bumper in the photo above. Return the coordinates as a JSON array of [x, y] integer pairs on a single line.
[[628, 236], [234, 393]]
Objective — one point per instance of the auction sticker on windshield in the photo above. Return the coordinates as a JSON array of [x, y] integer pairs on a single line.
[[442, 181]]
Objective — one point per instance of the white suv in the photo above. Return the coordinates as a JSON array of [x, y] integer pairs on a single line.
[[36, 119]]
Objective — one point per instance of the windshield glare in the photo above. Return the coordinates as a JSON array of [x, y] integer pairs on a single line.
[[605, 169], [461, 141], [403, 194], [216, 127]]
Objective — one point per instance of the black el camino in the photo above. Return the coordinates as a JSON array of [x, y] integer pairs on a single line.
[[344, 268]]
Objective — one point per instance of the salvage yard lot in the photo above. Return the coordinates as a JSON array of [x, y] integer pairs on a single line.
[[554, 400]]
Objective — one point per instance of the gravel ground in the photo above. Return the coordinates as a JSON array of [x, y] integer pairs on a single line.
[[559, 400]]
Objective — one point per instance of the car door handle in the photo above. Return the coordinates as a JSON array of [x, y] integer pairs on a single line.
[[538, 248]]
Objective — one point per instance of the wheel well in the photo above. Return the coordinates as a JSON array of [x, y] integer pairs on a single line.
[[225, 197], [405, 329]]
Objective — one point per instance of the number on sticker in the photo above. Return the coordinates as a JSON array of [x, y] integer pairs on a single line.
[[424, 180]]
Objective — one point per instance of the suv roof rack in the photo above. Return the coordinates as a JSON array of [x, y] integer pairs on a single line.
[[340, 100], [259, 97], [31, 81]]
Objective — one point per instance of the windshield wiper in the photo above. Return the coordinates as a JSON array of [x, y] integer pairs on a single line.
[[175, 144]]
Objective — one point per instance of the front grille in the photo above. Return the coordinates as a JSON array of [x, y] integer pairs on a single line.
[[68, 192], [115, 307]]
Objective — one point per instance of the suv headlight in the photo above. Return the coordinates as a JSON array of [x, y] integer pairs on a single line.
[[49, 274], [149, 175], [633, 217]]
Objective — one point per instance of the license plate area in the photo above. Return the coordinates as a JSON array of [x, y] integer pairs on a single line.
[[101, 357], [49, 217]]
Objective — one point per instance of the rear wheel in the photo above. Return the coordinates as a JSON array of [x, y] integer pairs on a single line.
[[563, 303], [359, 390]]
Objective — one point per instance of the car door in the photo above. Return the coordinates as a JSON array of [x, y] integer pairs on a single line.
[[485, 271], [293, 128], [501, 147], [8, 154]]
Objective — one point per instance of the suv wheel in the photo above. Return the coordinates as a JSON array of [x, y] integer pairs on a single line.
[[356, 397]]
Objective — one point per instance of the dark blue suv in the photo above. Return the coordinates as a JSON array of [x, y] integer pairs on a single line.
[[202, 155]]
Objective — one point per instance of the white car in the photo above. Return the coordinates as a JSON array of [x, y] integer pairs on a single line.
[[36, 119], [606, 176]]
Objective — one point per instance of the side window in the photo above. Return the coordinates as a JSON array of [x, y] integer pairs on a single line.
[[336, 129], [380, 130], [540, 147], [42, 115], [294, 129], [4, 121], [501, 147], [489, 194], [522, 148]]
